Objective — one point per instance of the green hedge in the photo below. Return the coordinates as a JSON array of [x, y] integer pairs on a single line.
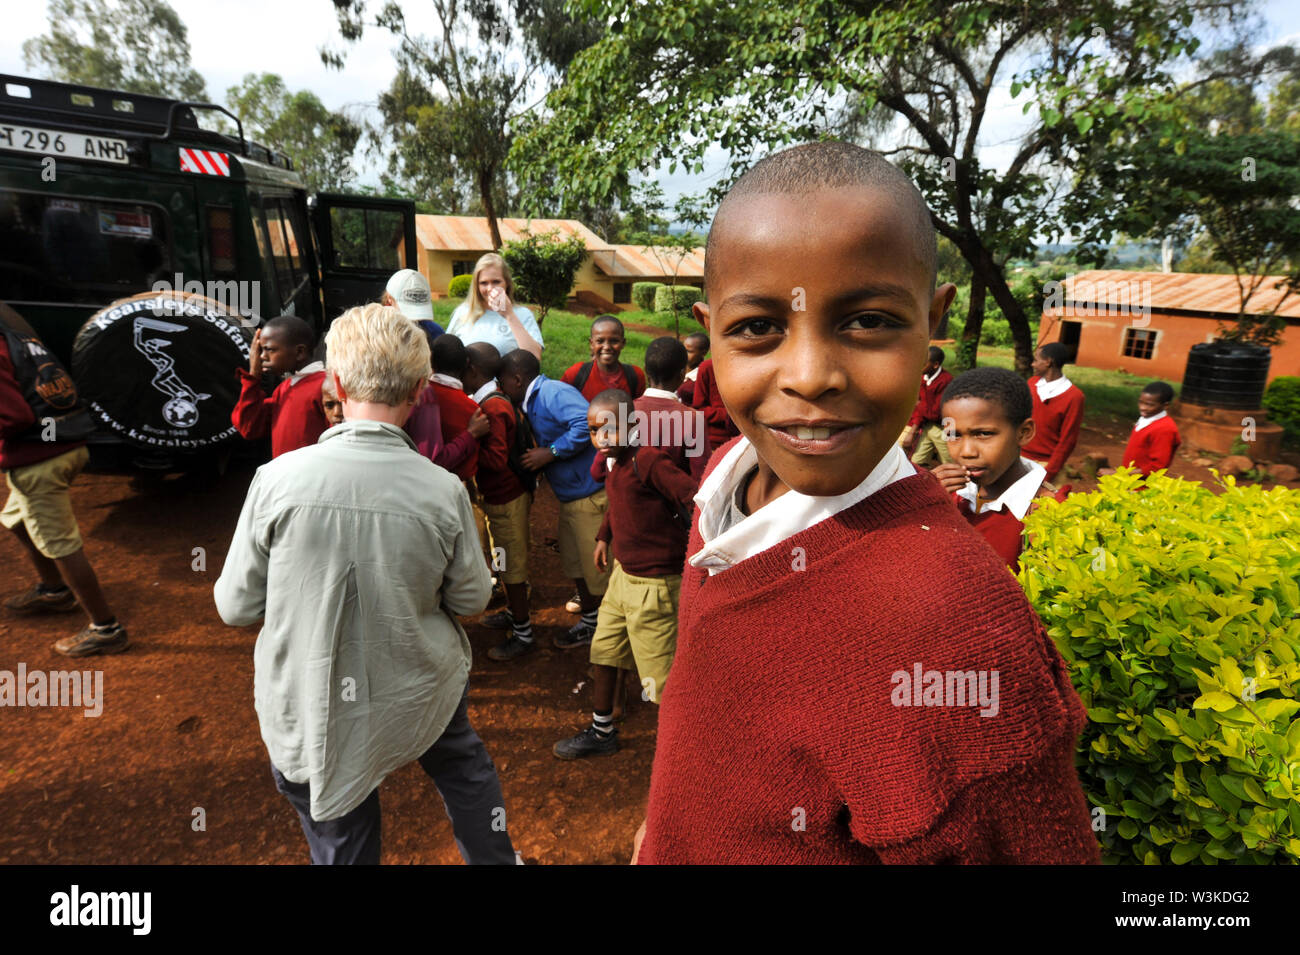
[[643, 294], [1178, 612], [681, 297], [1282, 401], [458, 287]]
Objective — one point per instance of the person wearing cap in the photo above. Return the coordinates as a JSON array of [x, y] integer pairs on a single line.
[[408, 292], [490, 314]]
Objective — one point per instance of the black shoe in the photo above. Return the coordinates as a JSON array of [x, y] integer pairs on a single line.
[[579, 635], [499, 621], [510, 648], [94, 640], [586, 743]]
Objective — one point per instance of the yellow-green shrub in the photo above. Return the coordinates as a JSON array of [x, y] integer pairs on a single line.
[[1178, 612]]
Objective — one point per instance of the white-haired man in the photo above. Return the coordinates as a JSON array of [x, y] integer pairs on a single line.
[[358, 553]]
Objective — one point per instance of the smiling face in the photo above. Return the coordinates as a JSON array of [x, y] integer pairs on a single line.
[[985, 442], [1149, 404], [820, 321], [607, 343]]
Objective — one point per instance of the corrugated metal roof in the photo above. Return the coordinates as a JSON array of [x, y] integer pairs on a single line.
[[636, 261], [1186, 291], [471, 233]]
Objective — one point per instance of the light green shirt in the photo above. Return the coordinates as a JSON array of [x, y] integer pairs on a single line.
[[357, 552]]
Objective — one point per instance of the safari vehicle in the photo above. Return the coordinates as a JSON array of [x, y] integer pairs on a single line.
[[126, 200]]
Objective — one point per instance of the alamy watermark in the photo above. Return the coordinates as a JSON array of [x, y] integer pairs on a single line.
[[75, 688], [678, 428], [924, 687], [235, 297]]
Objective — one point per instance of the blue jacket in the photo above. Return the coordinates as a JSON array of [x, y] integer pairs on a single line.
[[557, 414]]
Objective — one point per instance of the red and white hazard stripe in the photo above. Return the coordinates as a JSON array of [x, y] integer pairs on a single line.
[[205, 162]]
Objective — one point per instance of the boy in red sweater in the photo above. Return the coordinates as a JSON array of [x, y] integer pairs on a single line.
[[790, 735], [926, 420], [506, 488], [637, 625], [697, 349], [708, 398], [293, 416], [605, 371], [668, 423], [990, 417], [1155, 437], [458, 412], [1058, 409]]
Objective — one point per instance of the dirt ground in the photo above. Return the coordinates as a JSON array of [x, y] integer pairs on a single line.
[[178, 731]]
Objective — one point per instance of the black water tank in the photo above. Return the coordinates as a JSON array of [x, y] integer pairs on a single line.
[[1229, 375]]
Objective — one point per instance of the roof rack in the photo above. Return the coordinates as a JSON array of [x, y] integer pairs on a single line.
[[89, 108]]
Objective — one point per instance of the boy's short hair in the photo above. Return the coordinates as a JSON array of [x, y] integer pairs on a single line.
[[378, 354], [612, 398], [828, 165], [998, 386], [1056, 353], [1161, 390], [937, 355], [699, 337], [293, 330], [484, 358], [607, 320], [521, 362], [449, 356], [665, 359]]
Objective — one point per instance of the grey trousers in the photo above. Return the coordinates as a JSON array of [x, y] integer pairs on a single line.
[[466, 779]]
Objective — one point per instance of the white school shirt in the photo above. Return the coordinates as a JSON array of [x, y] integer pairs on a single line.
[[929, 379], [1050, 389], [660, 393], [447, 380], [730, 536], [304, 371], [1143, 422], [483, 392], [1016, 498]]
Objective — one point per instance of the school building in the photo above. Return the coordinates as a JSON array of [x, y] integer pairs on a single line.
[[450, 245], [1145, 323]]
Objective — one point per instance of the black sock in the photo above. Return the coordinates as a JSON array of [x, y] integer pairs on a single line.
[[602, 723], [42, 589], [589, 617]]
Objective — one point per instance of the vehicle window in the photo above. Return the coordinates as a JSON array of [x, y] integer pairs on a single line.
[[80, 249], [368, 239], [280, 253], [294, 231]]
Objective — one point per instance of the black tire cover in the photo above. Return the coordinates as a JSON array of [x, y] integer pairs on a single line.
[[159, 369]]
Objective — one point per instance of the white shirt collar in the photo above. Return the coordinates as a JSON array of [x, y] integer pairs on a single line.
[[1016, 498], [304, 371], [447, 380], [1050, 389], [789, 514], [929, 379], [486, 390], [660, 393], [532, 387], [1143, 422], [690, 375]]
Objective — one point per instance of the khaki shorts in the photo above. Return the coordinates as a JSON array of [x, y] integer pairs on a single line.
[[39, 500], [508, 525], [579, 522], [637, 627], [931, 444]]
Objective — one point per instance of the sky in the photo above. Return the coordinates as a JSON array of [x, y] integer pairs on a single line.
[[234, 37]]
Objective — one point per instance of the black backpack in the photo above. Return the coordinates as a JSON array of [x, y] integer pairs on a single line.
[[47, 388], [629, 375], [524, 441]]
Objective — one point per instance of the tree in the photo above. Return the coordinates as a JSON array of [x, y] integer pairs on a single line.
[[543, 267], [669, 80], [137, 46], [319, 142]]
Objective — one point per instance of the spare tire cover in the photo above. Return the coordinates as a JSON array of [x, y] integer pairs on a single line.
[[159, 369]]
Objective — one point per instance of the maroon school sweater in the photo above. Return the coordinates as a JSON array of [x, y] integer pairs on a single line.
[[783, 737], [294, 415], [929, 400], [1056, 427], [708, 399], [667, 427], [1153, 447], [647, 539]]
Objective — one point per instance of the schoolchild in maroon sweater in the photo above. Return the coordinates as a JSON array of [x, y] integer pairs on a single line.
[[794, 733], [461, 421], [1058, 409], [1155, 437], [990, 416], [708, 398], [605, 371], [294, 415], [666, 422], [645, 525], [697, 349]]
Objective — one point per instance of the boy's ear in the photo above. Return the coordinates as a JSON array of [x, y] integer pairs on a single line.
[[701, 312], [1025, 433], [940, 304]]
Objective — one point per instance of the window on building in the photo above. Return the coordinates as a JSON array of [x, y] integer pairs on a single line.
[[622, 293], [462, 267], [1139, 342]]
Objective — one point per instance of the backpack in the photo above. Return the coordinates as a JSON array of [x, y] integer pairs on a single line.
[[48, 390], [683, 520], [524, 441], [629, 375]]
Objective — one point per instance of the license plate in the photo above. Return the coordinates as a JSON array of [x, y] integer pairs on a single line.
[[60, 144]]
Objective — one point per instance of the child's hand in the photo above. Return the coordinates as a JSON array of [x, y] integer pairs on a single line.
[[601, 555], [478, 424], [255, 355], [951, 476], [906, 437], [636, 842], [536, 458]]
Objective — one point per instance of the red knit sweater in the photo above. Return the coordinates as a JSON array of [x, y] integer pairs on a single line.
[[597, 381], [647, 539], [1153, 447], [708, 399], [456, 408], [1002, 530], [671, 419], [779, 740], [1056, 427], [294, 415], [929, 400], [496, 482]]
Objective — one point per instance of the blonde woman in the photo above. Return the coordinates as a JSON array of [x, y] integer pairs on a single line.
[[356, 554], [490, 315]]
